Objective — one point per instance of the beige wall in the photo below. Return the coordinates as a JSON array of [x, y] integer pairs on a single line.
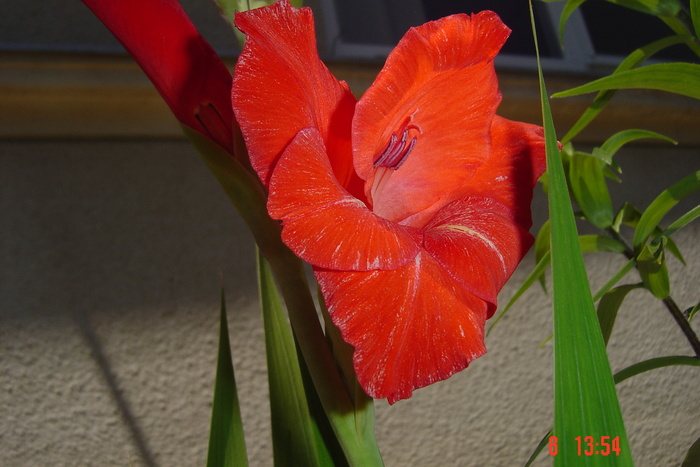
[[112, 257], [112, 252]]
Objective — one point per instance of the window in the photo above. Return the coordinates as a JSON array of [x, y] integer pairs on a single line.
[[366, 30]]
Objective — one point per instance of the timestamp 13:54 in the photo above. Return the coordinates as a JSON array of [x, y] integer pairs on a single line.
[[590, 446]]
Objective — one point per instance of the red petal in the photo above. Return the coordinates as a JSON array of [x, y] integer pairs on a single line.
[[322, 223], [441, 76], [410, 327], [281, 86], [509, 175], [181, 64], [479, 243]]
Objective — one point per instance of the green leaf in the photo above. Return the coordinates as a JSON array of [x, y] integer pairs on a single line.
[[622, 375], [587, 181], [692, 457], [541, 248], [608, 149], [537, 272], [651, 264], [542, 444], [661, 205], [631, 61], [615, 279], [359, 447], [682, 221], [609, 305], [569, 8], [247, 194], [651, 7], [600, 243], [585, 401], [695, 16], [226, 441], [678, 78], [627, 215], [589, 244], [692, 311], [363, 405], [293, 439], [653, 364]]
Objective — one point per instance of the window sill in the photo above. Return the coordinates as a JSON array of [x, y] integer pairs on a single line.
[[74, 97]]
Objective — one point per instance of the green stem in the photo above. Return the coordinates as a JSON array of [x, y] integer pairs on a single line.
[[683, 324]]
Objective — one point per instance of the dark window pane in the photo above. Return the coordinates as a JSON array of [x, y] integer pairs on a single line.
[[515, 14], [384, 22], [615, 30]]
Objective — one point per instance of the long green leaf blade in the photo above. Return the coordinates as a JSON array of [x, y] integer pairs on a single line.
[[293, 439], [633, 370], [585, 399], [226, 441], [678, 78]]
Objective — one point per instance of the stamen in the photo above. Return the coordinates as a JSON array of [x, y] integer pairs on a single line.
[[397, 151]]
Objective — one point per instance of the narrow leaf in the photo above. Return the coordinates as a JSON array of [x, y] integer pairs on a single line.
[[608, 149], [653, 364], [692, 457], [627, 215], [633, 60], [569, 9], [622, 375], [363, 405], [690, 313], [662, 204], [587, 181], [600, 243], [537, 272], [678, 78], [695, 15], [293, 438], [651, 264], [542, 444], [651, 7], [682, 221], [226, 441], [629, 265], [589, 244], [585, 399], [609, 305], [542, 244]]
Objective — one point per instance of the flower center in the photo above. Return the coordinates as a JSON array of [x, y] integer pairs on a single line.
[[394, 154], [397, 150]]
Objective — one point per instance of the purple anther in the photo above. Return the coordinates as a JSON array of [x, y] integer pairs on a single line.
[[396, 152]]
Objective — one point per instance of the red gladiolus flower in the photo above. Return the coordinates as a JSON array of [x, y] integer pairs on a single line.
[[412, 204], [184, 68]]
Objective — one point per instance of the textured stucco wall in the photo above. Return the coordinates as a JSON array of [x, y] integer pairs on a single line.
[[111, 259]]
